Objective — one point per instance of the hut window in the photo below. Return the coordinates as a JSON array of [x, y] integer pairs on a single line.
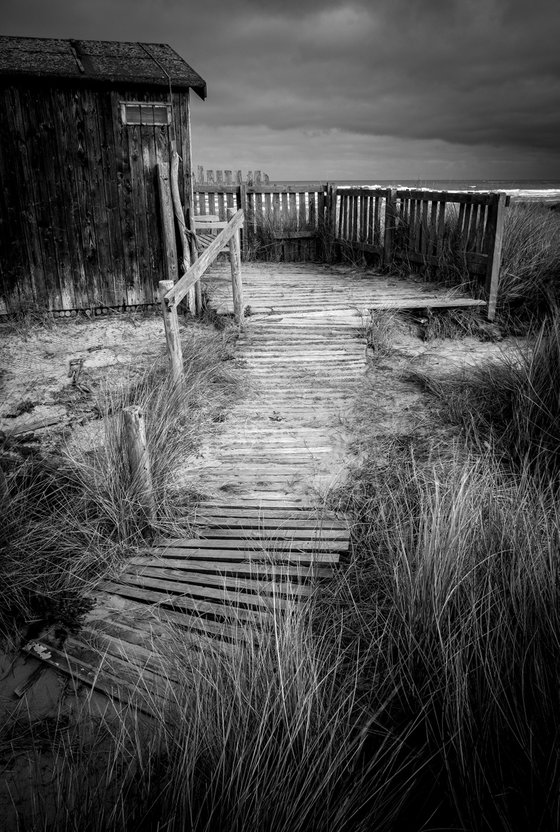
[[138, 112]]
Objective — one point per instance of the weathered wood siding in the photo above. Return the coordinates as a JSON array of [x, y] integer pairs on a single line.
[[79, 221]]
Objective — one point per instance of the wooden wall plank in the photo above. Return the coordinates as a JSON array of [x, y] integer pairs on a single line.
[[39, 127], [125, 205], [21, 255], [114, 242], [72, 277], [97, 253]]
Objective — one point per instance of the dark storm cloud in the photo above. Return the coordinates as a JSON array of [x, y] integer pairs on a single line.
[[475, 72], [470, 72]]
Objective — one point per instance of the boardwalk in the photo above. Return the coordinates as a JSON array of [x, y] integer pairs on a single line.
[[263, 534]]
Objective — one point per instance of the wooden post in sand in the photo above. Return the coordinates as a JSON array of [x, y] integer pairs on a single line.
[[390, 221], [495, 232], [236, 281], [139, 461], [171, 324]]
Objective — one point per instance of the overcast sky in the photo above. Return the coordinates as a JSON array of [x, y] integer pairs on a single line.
[[323, 89]]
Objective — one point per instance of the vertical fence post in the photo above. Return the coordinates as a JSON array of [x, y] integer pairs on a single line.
[[171, 324], [330, 221], [181, 225], [243, 205], [495, 232], [166, 214], [236, 280], [390, 218], [139, 461]]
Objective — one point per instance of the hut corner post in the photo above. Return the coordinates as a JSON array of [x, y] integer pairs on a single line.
[[236, 280], [171, 324], [139, 461], [495, 231]]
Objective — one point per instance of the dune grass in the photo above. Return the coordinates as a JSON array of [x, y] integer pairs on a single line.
[[512, 403], [530, 261], [281, 737], [530, 265], [419, 691], [66, 520], [456, 578]]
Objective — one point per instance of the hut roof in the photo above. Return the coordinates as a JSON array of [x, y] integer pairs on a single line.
[[113, 62]]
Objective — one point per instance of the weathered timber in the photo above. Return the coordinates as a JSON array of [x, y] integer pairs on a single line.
[[496, 217], [166, 215], [172, 336], [181, 224], [139, 461], [390, 220], [195, 272], [236, 280], [80, 205]]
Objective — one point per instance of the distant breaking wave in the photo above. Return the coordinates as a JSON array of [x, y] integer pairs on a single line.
[[519, 190]]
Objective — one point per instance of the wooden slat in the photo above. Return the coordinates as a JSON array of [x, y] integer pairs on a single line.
[[260, 552], [275, 533], [270, 524], [195, 606], [238, 567], [124, 686], [265, 543], [184, 582]]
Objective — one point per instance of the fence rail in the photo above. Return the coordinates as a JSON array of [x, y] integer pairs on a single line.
[[172, 294], [411, 226]]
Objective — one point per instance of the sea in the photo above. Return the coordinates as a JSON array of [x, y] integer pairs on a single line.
[[523, 190]]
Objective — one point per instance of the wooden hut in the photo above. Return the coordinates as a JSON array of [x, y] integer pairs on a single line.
[[83, 125]]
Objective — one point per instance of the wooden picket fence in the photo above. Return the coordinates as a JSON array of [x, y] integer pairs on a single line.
[[281, 222], [417, 229]]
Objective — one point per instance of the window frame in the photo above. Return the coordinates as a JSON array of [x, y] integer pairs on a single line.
[[146, 105]]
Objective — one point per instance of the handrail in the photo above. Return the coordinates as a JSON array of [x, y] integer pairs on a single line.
[[172, 294], [176, 294]]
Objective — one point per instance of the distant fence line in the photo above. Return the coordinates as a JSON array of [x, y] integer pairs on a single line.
[[416, 227], [230, 177]]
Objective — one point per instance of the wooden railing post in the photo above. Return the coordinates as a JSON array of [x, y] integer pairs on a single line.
[[330, 221], [171, 324], [236, 280], [390, 218], [495, 232], [243, 206], [166, 214], [139, 461], [181, 225]]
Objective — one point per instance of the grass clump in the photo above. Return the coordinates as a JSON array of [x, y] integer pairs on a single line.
[[378, 330], [513, 403], [530, 264], [456, 581]]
